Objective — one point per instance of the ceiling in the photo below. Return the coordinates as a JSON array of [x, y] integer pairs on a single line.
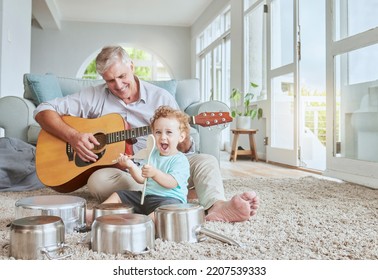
[[51, 13]]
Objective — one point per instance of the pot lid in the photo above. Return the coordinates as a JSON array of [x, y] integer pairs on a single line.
[[50, 201], [179, 207], [34, 221], [123, 219]]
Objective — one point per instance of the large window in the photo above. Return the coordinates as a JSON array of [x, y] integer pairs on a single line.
[[354, 16], [147, 66], [213, 61], [213, 56], [356, 86], [352, 89], [255, 47]]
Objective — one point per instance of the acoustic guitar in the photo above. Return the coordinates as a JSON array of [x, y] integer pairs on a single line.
[[59, 167]]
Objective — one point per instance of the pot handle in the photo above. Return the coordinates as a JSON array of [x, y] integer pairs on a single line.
[[147, 250], [61, 247], [200, 230]]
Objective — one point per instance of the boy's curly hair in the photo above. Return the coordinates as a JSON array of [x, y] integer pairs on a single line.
[[169, 112]]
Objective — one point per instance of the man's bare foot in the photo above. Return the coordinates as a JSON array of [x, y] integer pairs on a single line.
[[239, 209]]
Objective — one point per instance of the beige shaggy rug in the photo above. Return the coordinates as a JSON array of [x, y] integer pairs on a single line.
[[299, 219]]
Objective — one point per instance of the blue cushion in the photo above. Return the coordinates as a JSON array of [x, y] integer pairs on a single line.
[[170, 85], [43, 87]]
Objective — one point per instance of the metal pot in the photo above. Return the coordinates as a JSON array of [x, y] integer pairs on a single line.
[[111, 208], [183, 222], [70, 208], [33, 238], [121, 233]]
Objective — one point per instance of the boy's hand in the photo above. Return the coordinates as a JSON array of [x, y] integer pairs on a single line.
[[124, 161], [148, 171]]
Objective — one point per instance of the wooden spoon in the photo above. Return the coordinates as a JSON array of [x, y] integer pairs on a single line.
[[146, 154]]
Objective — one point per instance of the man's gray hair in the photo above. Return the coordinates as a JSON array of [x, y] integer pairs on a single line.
[[109, 55]]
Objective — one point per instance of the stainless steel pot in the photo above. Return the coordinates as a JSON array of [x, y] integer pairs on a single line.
[[111, 208], [183, 222], [36, 237], [70, 208], [121, 233]]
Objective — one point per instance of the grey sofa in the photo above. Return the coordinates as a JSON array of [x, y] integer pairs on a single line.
[[16, 113]]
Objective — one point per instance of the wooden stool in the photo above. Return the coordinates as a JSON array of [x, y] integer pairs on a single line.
[[252, 144]]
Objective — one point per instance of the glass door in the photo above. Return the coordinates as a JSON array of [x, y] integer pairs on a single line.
[[297, 87], [312, 85], [282, 73]]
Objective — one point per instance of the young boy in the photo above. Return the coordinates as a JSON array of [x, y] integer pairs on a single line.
[[168, 170]]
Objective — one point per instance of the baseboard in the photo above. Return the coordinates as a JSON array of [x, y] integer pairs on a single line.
[[369, 182]]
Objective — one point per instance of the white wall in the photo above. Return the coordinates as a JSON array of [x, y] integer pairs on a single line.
[[237, 47], [63, 51], [15, 17]]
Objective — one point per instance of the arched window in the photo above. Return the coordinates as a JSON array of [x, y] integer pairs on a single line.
[[147, 66]]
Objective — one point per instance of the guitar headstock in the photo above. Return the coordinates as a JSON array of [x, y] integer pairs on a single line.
[[212, 118]]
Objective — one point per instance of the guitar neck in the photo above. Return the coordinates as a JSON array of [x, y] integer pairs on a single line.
[[205, 119], [127, 134], [124, 135]]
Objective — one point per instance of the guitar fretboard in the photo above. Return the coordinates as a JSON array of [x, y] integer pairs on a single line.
[[127, 134]]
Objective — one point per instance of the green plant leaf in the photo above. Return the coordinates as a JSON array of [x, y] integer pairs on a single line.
[[249, 96], [259, 113], [235, 94]]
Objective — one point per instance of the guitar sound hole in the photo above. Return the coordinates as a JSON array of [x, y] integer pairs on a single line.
[[101, 138]]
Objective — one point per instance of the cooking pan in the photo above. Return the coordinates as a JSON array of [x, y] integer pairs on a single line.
[[121, 233], [111, 208], [37, 237], [70, 208], [184, 222]]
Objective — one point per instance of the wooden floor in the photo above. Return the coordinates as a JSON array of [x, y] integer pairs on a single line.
[[244, 167]]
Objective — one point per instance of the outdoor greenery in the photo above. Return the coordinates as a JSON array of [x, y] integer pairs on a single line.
[[315, 114], [90, 72], [143, 72]]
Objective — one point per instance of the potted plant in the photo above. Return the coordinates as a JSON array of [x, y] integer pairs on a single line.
[[247, 112]]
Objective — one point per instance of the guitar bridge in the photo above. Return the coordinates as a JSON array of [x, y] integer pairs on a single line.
[[69, 152]]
